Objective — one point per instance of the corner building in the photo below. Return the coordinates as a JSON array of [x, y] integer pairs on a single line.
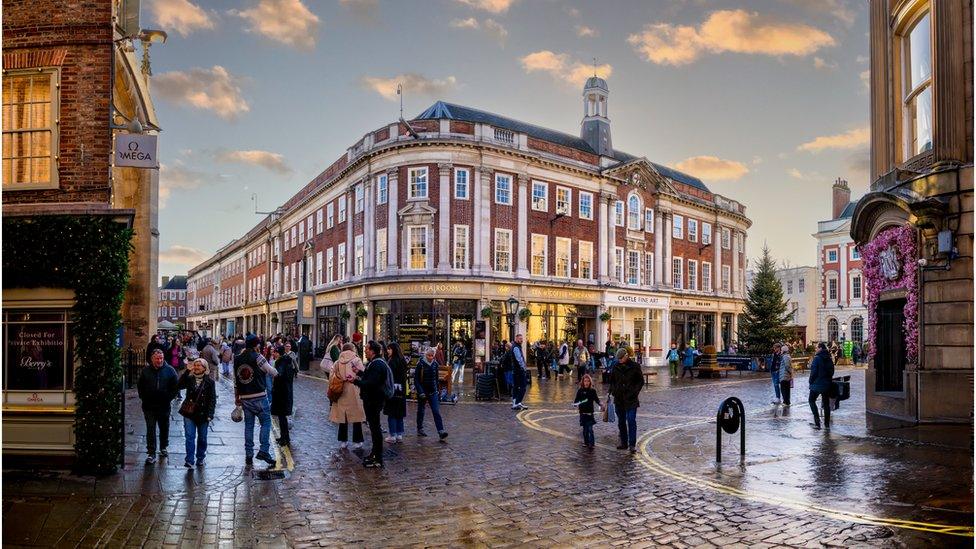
[[423, 227]]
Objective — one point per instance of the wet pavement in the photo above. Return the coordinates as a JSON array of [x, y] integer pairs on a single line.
[[507, 479]]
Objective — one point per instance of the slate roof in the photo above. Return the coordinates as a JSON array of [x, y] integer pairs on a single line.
[[450, 111], [175, 283], [848, 210]]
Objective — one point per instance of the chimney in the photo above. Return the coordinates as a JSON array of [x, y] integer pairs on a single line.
[[842, 197], [166, 278]]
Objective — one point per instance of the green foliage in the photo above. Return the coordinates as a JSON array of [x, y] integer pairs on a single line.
[[605, 317], [524, 314], [89, 255], [486, 312], [765, 318]]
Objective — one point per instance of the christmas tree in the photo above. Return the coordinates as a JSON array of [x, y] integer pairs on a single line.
[[765, 318]]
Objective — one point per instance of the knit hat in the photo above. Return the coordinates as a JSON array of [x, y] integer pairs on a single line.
[[621, 353]]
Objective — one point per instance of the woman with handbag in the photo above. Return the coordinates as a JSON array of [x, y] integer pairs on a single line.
[[347, 407], [197, 409], [396, 407]]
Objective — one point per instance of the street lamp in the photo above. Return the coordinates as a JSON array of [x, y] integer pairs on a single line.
[[511, 311], [843, 331]]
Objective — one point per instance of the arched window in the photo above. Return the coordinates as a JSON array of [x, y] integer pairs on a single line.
[[634, 212], [857, 329], [832, 330]]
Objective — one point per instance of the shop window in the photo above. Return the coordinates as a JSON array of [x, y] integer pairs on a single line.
[[585, 260], [586, 205], [503, 189], [564, 199], [540, 196], [417, 247], [417, 189], [678, 226], [38, 350], [30, 137], [381, 249], [540, 244], [563, 257], [503, 250], [382, 189]]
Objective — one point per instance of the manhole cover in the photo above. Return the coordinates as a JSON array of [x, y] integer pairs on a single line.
[[269, 474]]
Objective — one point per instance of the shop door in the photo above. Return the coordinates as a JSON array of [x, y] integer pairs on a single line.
[[462, 328], [889, 361]]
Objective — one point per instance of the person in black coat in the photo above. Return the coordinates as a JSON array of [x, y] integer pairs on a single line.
[[372, 382], [304, 352], [282, 394], [396, 407], [157, 388], [201, 390], [154, 344], [586, 397], [821, 378], [626, 382]]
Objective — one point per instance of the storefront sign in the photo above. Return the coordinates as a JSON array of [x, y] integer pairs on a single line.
[[697, 303], [562, 293], [306, 308], [135, 151], [443, 289], [36, 356], [635, 300]]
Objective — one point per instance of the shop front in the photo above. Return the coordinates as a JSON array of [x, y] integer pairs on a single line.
[[418, 323], [557, 322], [701, 322], [637, 320], [289, 323], [329, 323]]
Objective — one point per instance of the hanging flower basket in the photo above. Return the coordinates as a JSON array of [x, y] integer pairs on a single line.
[[486, 312], [524, 314], [344, 315], [605, 317], [361, 312]]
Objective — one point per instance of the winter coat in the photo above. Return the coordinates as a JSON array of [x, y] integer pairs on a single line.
[[626, 382], [349, 407], [785, 367], [157, 387], [176, 357], [821, 372], [210, 354], [204, 394], [689, 358], [151, 348], [282, 399], [396, 407], [425, 377], [371, 382]]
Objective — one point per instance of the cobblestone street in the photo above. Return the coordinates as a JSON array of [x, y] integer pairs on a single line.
[[503, 479]]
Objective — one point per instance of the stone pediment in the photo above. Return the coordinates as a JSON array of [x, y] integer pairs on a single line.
[[640, 173], [417, 213]]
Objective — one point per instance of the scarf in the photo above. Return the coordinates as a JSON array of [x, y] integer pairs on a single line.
[[198, 378]]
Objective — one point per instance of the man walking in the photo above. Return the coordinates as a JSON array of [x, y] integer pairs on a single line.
[[581, 357], [157, 388], [304, 352], [626, 382], [774, 370], [251, 372], [372, 382], [563, 358], [821, 378], [212, 356], [516, 361]]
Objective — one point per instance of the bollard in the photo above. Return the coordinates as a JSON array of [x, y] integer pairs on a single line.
[[731, 417]]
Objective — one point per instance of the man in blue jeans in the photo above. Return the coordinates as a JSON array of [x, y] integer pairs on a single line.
[[626, 382], [774, 370], [251, 392], [520, 372]]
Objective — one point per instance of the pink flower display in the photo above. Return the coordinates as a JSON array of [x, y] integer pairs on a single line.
[[891, 263]]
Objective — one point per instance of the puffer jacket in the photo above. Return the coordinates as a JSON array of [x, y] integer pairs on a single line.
[[425, 376]]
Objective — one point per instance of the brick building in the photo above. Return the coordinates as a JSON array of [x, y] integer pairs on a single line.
[[915, 225], [70, 79], [841, 314], [172, 301], [423, 227]]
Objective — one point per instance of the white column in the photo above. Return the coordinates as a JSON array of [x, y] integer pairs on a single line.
[[368, 335], [647, 337], [369, 227], [658, 248], [477, 225], [603, 253], [666, 328], [735, 264], [484, 220], [523, 226], [391, 220], [717, 332], [601, 326], [666, 262], [350, 245], [611, 228], [717, 265], [444, 218], [842, 275]]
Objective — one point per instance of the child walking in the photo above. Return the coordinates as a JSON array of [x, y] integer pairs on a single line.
[[585, 398]]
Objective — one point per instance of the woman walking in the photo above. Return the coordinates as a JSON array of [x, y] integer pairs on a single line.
[[282, 400], [197, 410], [785, 374], [332, 351], [425, 379], [348, 408], [396, 407]]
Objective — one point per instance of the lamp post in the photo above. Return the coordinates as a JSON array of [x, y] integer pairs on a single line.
[[843, 331], [511, 311]]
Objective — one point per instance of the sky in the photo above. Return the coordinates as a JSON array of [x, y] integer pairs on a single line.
[[765, 101]]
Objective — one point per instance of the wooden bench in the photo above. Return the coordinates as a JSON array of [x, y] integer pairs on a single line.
[[707, 372]]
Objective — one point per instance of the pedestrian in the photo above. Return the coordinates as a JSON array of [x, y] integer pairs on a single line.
[[515, 359], [201, 394], [563, 358], [332, 351], [785, 373], [251, 394], [154, 344], [282, 388], [348, 409], [774, 370], [626, 382], [425, 378], [304, 352], [175, 355], [458, 356], [581, 358], [856, 354], [672, 358], [372, 382], [585, 398], [211, 355], [821, 378], [157, 388], [396, 407], [688, 362], [543, 360], [226, 358]]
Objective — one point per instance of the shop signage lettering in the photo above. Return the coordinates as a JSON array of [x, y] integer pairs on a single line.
[[36, 355], [426, 289], [561, 293], [135, 151], [693, 303], [35, 398]]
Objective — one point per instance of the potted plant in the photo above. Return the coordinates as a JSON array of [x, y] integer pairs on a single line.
[[605, 317], [524, 314], [361, 312], [486, 312], [344, 315]]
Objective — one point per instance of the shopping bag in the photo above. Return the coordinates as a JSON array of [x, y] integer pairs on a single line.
[[610, 412]]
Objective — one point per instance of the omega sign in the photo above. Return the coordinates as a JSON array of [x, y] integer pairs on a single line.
[[135, 151]]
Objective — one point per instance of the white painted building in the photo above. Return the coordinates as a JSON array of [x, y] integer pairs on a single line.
[[801, 289]]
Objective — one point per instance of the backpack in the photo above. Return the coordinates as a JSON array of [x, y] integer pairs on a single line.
[[388, 386], [563, 350]]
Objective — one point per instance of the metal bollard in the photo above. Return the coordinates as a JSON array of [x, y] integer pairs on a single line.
[[731, 417]]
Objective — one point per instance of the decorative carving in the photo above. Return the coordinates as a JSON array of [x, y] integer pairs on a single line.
[[392, 173], [890, 267], [523, 179], [444, 166]]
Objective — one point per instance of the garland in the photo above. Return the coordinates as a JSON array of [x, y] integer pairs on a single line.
[[89, 255], [905, 244]]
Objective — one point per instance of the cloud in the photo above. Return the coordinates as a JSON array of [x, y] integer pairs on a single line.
[[820, 64], [851, 139], [182, 255], [492, 6], [286, 21], [268, 160], [212, 89], [491, 27], [859, 163], [713, 168], [571, 11], [735, 31], [176, 177], [586, 32], [412, 83], [866, 79], [562, 67], [808, 176], [469, 23], [181, 16], [862, 59], [838, 9], [365, 10]]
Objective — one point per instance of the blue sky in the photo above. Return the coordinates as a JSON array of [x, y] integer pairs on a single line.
[[766, 101]]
